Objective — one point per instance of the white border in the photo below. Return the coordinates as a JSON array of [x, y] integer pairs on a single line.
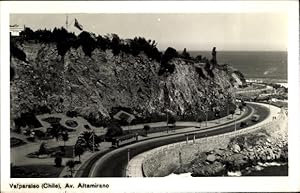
[[216, 184]]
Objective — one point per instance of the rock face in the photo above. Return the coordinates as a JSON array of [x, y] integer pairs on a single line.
[[98, 86]]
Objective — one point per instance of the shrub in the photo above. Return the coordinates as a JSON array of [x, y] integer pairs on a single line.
[[146, 129], [28, 119], [42, 149], [96, 120], [72, 114], [171, 120]]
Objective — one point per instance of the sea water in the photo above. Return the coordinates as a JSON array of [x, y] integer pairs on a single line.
[[253, 64]]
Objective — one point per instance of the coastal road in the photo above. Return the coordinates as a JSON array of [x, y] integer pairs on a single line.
[[114, 165]]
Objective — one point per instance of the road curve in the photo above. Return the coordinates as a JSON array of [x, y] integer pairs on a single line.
[[113, 163]]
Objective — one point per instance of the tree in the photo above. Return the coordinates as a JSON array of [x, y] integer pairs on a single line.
[[146, 129], [78, 150], [115, 44], [71, 165], [165, 67], [199, 120], [232, 113], [87, 42], [58, 161], [113, 130], [171, 122], [217, 115], [65, 137], [85, 139]]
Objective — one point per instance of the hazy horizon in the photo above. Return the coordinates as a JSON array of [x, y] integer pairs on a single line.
[[195, 32]]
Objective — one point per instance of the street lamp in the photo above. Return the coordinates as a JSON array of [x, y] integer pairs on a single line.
[[93, 132], [128, 155], [234, 123]]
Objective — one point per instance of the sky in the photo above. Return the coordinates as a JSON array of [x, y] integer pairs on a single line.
[[226, 31]]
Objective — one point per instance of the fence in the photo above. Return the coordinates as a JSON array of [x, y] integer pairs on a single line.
[[163, 160]]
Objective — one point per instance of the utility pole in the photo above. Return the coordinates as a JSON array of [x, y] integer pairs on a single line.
[[93, 140], [234, 123]]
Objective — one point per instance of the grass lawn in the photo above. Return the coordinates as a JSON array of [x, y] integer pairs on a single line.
[[36, 171], [68, 152]]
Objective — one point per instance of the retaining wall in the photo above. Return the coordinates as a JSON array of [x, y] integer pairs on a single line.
[[164, 160]]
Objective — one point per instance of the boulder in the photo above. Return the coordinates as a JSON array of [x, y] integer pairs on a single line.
[[236, 148], [219, 152], [211, 158], [213, 169]]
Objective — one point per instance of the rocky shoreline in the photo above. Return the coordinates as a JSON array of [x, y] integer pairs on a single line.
[[244, 153]]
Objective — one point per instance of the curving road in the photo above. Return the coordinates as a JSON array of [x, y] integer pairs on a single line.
[[114, 162]]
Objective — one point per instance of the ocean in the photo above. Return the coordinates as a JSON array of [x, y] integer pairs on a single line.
[[253, 64]]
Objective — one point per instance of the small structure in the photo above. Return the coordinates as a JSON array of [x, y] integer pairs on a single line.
[[15, 30], [122, 115]]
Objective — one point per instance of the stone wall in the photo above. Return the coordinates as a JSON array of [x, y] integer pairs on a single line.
[[164, 160]]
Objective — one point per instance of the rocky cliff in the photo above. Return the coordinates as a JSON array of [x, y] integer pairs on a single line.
[[97, 87]]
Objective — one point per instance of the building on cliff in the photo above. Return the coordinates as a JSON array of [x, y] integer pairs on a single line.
[[15, 30]]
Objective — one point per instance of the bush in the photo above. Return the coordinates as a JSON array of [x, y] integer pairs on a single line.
[[28, 119], [42, 149], [146, 129], [72, 114]]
